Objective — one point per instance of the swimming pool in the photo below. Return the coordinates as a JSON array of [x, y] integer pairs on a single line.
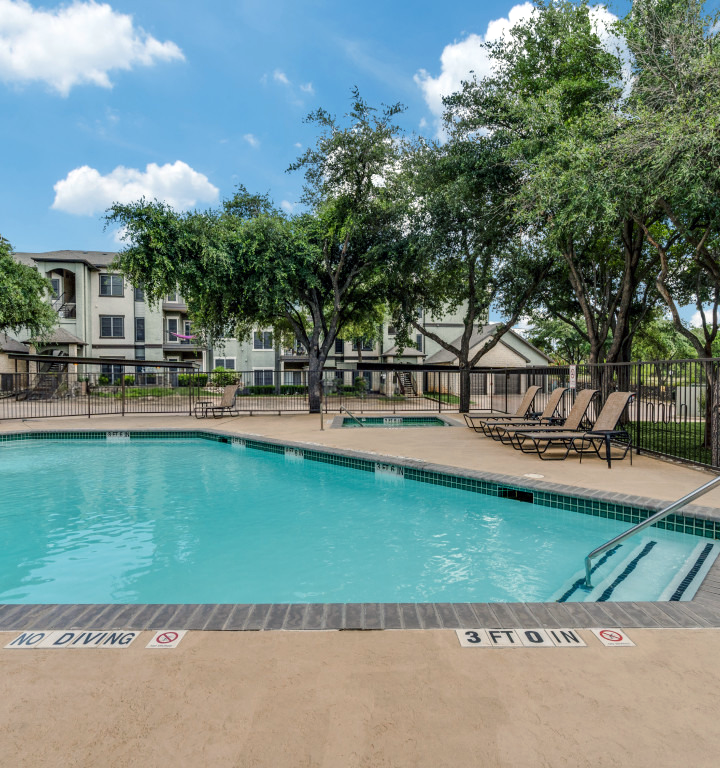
[[197, 521]]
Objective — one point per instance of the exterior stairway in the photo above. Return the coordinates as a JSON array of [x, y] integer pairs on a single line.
[[48, 381], [406, 383]]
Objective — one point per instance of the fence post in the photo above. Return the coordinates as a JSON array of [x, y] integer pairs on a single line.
[[637, 409], [122, 390], [715, 425]]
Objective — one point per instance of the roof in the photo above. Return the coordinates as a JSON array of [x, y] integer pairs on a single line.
[[407, 352], [60, 336], [444, 357], [92, 259], [8, 344]]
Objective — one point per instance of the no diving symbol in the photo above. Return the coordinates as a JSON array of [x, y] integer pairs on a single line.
[[166, 638], [609, 634]]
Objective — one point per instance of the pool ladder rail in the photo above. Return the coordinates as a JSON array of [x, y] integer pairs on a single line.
[[352, 416], [701, 491]]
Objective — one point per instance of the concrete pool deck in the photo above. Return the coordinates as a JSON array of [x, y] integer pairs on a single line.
[[378, 699], [364, 700]]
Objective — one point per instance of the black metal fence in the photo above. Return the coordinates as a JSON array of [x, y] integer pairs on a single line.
[[674, 411]]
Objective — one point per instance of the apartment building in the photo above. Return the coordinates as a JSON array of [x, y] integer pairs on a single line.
[[100, 314]]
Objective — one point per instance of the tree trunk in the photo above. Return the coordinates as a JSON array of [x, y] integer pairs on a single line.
[[464, 373], [315, 392]]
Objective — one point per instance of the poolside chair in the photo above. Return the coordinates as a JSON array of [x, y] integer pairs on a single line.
[[203, 408], [498, 429], [603, 431], [521, 414], [573, 422]]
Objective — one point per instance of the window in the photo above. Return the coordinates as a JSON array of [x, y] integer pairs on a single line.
[[419, 342], [367, 346], [391, 330], [172, 298], [262, 340], [139, 293], [228, 363], [139, 329], [172, 329], [339, 346], [113, 373], [55, 287], [111, 285], [112, 327], [263, 378], [139, 355], [293, 377]]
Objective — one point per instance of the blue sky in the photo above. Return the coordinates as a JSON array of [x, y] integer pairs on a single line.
[[184, 100]]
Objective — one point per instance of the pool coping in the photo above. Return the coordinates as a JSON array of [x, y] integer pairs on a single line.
[[701, 612]]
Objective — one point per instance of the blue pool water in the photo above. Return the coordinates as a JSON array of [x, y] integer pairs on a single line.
[[195, 521]]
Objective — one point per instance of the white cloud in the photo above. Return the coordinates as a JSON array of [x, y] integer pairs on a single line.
[[252, 140], [307, 88], [287, 206], [696, 320], [298, 145], [81, 42], [458, 60], [280, 77], [85, 191]]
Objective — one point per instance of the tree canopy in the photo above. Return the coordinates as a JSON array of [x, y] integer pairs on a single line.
[[23, 297], [250, 264]]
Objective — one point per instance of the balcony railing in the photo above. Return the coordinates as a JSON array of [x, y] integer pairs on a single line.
[[65, 306]]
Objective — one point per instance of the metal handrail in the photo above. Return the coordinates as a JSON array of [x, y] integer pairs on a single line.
[[701, 491], [343, 408]]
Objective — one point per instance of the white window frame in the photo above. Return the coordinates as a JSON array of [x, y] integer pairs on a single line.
[[113, 283], [217, 363]]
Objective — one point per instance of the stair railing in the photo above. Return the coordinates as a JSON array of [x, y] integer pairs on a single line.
[[701, 491], [343, 408]]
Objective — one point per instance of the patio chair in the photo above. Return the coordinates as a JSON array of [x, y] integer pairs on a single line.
[[203, 408], [520, 414], [498, 429], [603, 431], [573, 422]]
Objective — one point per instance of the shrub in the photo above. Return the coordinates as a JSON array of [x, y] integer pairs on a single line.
[[221, 377], [129, 381], [103, 380], [192, 379]]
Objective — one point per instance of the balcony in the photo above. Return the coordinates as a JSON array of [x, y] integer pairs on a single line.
[[175, 343], [174, 306], [65, 306], [296, 354]]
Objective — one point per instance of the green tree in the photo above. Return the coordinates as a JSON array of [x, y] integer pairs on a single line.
[[464, 249], [250, 265], [23, 297], [565, 342], [555, 96]]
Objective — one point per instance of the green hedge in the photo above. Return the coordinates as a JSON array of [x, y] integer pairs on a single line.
[[194, 379]]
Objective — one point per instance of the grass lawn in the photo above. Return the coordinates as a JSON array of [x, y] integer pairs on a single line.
[[684, 440], [443, 397]]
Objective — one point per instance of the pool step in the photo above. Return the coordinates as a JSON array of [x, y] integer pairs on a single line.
[[623, 573]]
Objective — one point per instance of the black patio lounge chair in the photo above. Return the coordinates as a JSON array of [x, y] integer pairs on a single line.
[[523, 411], [603, 431], [498, 429]]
